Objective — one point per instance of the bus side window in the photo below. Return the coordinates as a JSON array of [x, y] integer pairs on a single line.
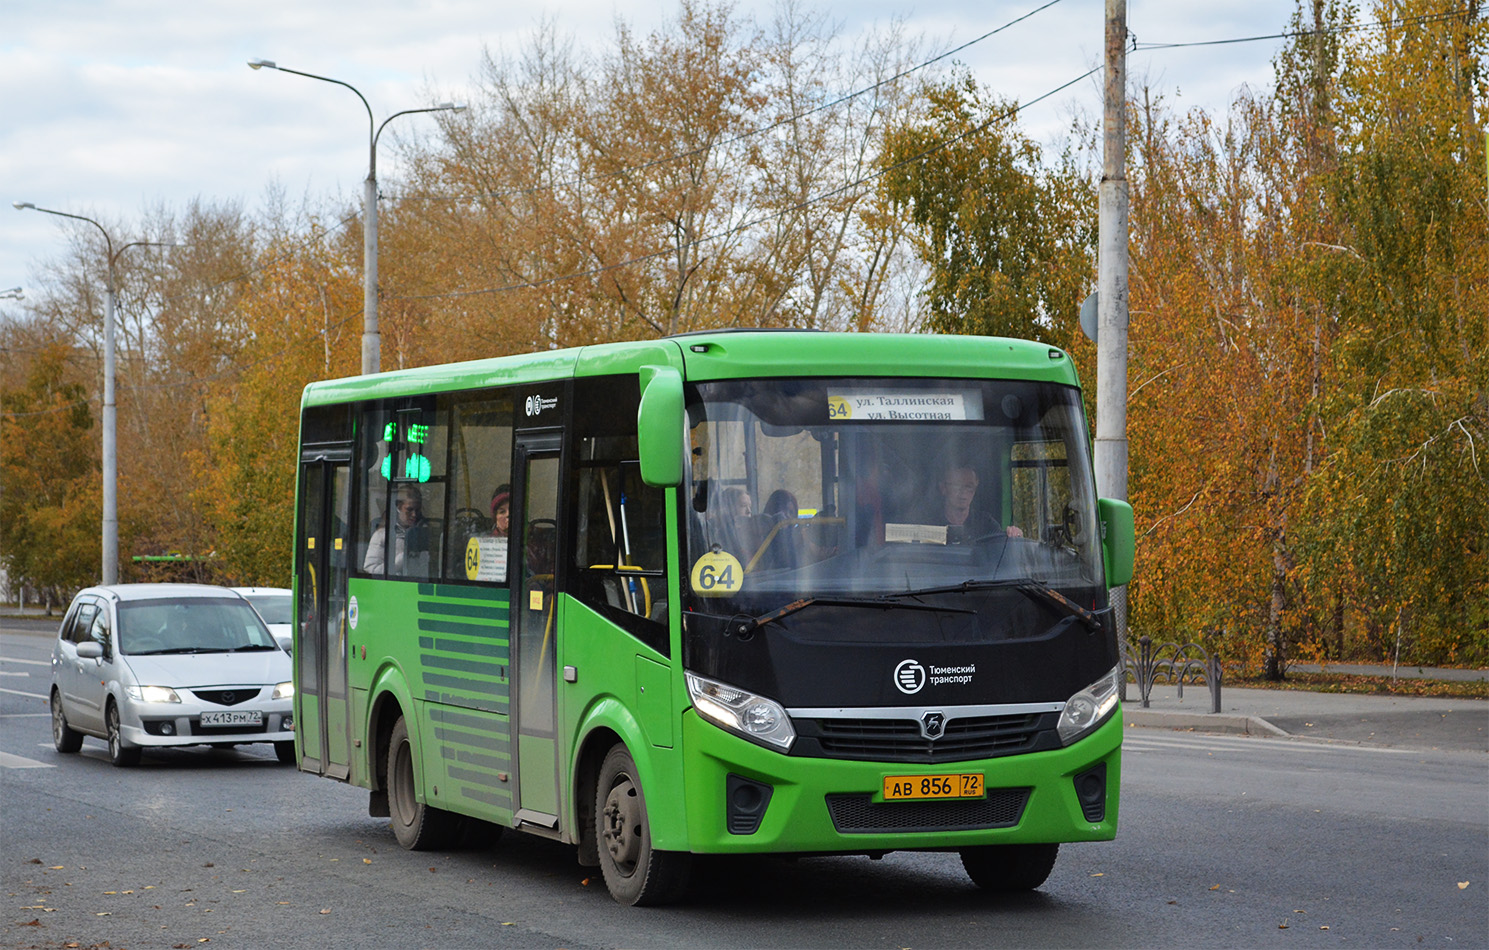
[[480, 479]]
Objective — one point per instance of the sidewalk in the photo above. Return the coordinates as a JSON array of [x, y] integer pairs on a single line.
[[1397, 721]]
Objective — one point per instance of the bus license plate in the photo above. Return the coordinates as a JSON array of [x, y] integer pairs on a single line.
[[234, 717], [964, 785]]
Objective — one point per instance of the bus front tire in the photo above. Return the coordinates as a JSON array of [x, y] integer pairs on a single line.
[[635, 873], [418, 827], [1010, 867]]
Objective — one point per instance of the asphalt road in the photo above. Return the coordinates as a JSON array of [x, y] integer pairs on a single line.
[[1225, 841]]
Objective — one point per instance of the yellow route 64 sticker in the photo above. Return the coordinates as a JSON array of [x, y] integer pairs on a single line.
[[838, 408], [717, 574]]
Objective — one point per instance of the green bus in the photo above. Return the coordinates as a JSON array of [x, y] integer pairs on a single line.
[[779, 592]]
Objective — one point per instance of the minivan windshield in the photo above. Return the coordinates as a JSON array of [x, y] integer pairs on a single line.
[[871, 488], [274, 608], [191, 625]]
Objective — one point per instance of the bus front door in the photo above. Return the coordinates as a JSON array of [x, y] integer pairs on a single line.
[[534, 649], [322, 722]]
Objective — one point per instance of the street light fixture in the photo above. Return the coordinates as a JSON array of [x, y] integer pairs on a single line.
[[371, 337], [14, 293], [110, 448]]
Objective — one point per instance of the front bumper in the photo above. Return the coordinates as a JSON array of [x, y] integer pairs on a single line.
[[158, 725], [1029, 798]]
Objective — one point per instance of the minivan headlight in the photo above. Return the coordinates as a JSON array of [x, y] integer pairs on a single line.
[[1090, 707], [284, 691], [152, 694], [740, 712]]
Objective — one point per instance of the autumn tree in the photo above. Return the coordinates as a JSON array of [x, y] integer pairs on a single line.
[[50, 500], [1009, 242]]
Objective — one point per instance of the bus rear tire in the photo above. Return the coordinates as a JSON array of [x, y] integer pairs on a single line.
[[635, 873], [418, 827], [1010, 867]]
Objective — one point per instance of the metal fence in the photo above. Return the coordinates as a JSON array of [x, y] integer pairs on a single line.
[[1172, 662]]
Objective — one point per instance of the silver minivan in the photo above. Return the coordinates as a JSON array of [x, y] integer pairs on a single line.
[[142, 665]]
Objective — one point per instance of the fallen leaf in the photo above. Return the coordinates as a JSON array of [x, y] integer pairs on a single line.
[[1214, 887], [1099, 874], [57, 867], [1462, 885], [366, 860], [35, 922], [1282, 926], [1324, 927], [103, 913], [325, 910]]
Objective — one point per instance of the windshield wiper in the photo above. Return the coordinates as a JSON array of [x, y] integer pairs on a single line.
[[173, 650], [251, 646], [1025, 586]]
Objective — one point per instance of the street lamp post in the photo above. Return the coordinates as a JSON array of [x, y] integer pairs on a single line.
[[371, 337], [110, 448]]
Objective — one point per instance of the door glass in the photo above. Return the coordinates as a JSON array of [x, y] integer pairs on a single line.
[[540, 539]]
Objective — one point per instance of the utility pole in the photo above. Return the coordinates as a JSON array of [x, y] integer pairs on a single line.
[[1111, 282]]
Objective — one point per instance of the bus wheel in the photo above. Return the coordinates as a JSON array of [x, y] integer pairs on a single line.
[[634, 872], [418, 827], [1010, 867]]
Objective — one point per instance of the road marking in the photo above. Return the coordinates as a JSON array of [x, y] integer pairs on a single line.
[[16, 659], [8, 761], [16, 692]]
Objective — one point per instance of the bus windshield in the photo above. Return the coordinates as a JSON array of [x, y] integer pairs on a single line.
[[874, 487]]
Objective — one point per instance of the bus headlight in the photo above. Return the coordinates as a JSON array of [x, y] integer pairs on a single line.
[[742, 713], [1090, 707]]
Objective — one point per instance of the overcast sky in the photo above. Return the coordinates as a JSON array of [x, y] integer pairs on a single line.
[[114, 106]]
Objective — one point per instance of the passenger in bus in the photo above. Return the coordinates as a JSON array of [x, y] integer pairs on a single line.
[[957, 488], [782, 513], [501, 511], [731, 523], [410, 538]]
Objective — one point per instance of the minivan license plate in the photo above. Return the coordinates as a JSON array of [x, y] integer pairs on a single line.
[[961, 785], [234, 717]]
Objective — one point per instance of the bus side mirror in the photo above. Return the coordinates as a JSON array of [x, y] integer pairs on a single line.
[[659, 427], [1117, 539]]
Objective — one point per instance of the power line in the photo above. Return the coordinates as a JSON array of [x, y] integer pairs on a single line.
[[1292, 34]]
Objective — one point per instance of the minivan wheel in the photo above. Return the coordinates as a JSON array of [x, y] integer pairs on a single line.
[[64, 737], [120, 754]]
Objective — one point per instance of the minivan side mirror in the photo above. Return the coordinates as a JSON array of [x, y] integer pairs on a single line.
[[659, 426], [1117, 539], [90, 650]]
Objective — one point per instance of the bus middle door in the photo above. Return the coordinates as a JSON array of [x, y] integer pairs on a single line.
[[534, 649]]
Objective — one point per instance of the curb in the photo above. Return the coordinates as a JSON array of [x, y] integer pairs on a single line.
[[1201, 722]]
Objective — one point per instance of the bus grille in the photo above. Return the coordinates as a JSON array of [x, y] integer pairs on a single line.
[[859, 814], [899, 740]]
